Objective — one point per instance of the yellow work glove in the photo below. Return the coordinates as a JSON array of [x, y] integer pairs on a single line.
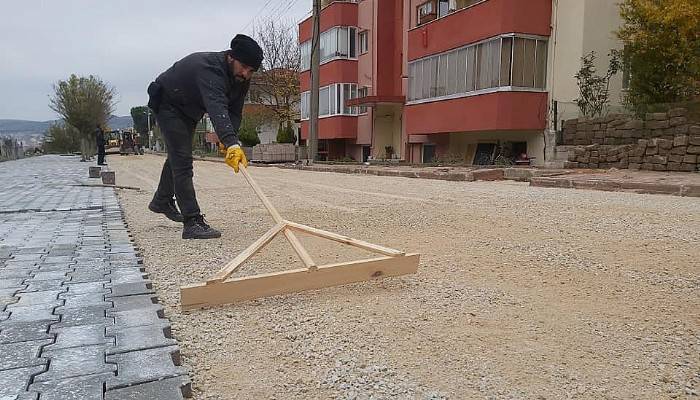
[[222, 148], [236, 156]]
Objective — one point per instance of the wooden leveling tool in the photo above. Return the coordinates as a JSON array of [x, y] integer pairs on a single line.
[[219, 290]]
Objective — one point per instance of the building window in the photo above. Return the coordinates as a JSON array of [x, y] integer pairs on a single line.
[[502, 62], [331, 101], [336, 42], [305, 50], [426, 12], [446, 6], [434, 9], [364, 41], [362, 92], [304, 105]]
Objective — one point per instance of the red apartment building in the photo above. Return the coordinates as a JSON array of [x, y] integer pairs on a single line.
[[418, 80]]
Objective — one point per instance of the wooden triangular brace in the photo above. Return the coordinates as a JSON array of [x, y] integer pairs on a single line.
[[219, 290]]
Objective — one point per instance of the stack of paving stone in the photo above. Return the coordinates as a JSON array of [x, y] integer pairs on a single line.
[[78, 318]]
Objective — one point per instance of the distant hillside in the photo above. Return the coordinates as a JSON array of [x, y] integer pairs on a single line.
[[22, 128]]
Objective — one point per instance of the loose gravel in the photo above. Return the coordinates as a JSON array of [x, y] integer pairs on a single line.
[[522, 292]]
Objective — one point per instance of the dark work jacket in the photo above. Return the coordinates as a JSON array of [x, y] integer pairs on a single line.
[[202, 82], [99, 137]]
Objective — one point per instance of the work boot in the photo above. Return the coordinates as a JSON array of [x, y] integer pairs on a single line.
[[168, 209], [197, 228]]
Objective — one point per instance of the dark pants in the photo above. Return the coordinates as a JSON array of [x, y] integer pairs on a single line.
[[100, 154], [176, 177]]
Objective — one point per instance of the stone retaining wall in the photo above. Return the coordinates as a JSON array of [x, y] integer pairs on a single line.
[[680, 153], [620, 129]]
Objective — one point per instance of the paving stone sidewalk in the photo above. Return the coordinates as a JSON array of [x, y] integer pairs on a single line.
[[78, 316]]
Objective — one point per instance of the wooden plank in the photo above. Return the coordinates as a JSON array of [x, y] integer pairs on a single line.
[[246, 288], [231, 267], [291, 237], [299, 249], [344, 239]]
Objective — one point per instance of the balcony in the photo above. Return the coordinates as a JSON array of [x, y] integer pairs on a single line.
[[477, 22], [336, 13], [335, 127], [495, 111]]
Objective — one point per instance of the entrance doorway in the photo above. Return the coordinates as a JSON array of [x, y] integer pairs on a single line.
[[366, 151], [428, 153]]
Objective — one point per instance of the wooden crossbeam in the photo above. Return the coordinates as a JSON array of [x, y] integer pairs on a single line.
[[344, 239], [231, 267], [297, 280]]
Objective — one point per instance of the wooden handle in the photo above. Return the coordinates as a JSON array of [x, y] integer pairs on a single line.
[[291, 237], [270, 208]]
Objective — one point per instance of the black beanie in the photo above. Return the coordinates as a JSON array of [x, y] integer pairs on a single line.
[[247, 51]]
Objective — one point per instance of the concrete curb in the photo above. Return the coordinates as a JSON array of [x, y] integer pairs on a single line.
[[560, 178], [617, 186]]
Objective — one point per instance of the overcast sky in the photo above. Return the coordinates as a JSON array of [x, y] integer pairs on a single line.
[[127, 43]]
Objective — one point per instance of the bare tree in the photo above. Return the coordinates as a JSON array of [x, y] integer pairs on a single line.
[[277, 83], [83, 103]]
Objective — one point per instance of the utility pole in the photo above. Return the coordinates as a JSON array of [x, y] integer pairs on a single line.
[[315, 70]]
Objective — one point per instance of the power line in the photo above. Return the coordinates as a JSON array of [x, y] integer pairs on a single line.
[[280, 6], [291, 5], [256, 15]]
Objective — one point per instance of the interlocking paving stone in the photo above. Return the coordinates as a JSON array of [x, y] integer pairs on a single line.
[[27, 257], [12, 263], [131, 338], [130, 289], [145, 366], [11, 332], [138, 317], [81, 335], [78, 388], [126, 275], [35, 298], [14, 382], [8, 273], [39, 286], [56, 267], [22, 354], [11, 283], [54, 252], [30, 250], [70, 269], [75, 361], [166, 389], [86, 287], [83, 316], [48, 275], [58, 260], [87, 276], [34, 313], [84, 300], [133, 302]]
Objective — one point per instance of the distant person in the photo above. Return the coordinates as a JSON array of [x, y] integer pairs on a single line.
[[137, 144], [212, 82], [100, 140]]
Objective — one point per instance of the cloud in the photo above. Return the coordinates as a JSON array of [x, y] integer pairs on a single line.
[[127, 43]]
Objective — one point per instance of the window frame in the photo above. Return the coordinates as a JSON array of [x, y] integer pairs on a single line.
[[326, 38], [337, 107], [360, 36], [473, 82]]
